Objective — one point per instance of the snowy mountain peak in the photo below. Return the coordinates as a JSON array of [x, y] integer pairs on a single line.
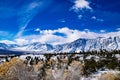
[[110, 43]]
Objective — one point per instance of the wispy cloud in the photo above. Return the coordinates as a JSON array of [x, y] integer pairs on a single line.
[[118, 29], [62, 20], [7, 42], [27, 13], [4, 33], [5, 10]]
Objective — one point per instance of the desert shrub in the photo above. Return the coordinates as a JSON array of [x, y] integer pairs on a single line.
[[5, 67], [113, 63], [75, 71], [16, 70], [49, 76], [109, 76], [90, 67]]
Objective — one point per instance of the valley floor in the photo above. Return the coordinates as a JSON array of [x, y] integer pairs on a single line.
[[94, 65]]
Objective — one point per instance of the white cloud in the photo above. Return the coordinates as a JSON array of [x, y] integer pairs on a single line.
[[21, 41], [102, 31], [81, 4], [95, 18], [49, 36], [37, 29], [7, 42], [111, 34], [86, 30], [80, 16]]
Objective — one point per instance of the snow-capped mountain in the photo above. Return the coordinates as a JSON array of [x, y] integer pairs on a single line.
[[36, 46], [3, 46], [111, 43], [8, 46]]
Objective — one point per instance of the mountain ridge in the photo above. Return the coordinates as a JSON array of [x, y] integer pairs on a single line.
[[81, 44]]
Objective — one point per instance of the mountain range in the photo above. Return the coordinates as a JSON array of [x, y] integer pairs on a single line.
[[110, 43]]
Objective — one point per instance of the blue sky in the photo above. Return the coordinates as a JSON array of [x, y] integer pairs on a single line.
[[34, 20]]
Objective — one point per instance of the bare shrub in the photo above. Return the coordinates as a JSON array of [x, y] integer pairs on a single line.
[[58, 73], [75, 69]]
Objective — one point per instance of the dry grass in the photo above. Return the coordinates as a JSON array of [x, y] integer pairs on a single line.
[[109, 76]]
